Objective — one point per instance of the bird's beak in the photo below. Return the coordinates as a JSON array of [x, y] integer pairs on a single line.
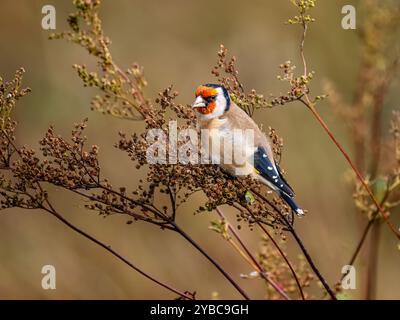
[[199, 102]]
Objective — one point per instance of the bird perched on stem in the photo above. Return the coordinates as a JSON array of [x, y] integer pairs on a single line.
[[220, 118]]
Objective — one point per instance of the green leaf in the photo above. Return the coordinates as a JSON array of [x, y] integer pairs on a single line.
[[380, 188], [249, 197], [343, 296]]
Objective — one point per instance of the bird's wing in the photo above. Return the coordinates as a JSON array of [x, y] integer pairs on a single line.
[[270, 172], [263, 160], [237, 118]]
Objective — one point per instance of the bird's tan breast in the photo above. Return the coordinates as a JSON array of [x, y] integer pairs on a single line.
[[235, 118]]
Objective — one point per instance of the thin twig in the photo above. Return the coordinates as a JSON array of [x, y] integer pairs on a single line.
[[311, 106], [260, 269], [303, 39], [216, 264], [283, 255], [382, 212], [116, 254], [193, 243], [302, 247], [285, 258], [364, 234], [57, 215], [175, 227], [372, 268]]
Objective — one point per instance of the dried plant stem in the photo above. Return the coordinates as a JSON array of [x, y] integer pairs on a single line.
[[373, 254], [301, 245], [312, 265], [359, 245], [302, 42], [67, 223], [176, 228], [134, 90], [283, 255], [373, 261], [244, 255], [168, 223], [311, 106], [240, 208], [382, 212], [378, 100], [367, 228], [171, 225], [376, 134], [209, 258], [172, 199], [50, 209], [250, 257], [359, 147], [376, 146]]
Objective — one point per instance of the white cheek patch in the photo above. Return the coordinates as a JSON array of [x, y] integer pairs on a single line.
[[221, 102]]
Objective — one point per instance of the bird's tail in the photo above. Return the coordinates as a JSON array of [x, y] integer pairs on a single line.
[[292, 204]]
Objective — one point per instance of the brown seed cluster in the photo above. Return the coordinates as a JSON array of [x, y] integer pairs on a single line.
[[227, 74], [183, 180], [10, 93], [71, 165]]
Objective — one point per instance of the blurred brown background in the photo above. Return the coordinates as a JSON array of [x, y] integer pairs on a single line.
[[176, 41]]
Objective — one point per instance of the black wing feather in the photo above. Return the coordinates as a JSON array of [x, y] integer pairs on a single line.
[[283, 178], [267, 170]]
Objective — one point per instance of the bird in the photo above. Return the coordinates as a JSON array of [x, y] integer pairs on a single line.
[[218, 115]]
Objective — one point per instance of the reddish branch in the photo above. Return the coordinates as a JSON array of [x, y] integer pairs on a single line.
[[311, 106], [382, 212]]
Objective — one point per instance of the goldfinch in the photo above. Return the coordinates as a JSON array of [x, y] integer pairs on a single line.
[[220, 116]]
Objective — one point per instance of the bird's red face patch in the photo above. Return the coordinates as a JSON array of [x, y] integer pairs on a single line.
[[207, 93], [209, 108]]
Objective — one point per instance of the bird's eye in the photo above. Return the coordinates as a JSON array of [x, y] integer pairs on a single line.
[[211, 98]]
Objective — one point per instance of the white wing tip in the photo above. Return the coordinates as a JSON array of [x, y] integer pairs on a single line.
[[300, 212]]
